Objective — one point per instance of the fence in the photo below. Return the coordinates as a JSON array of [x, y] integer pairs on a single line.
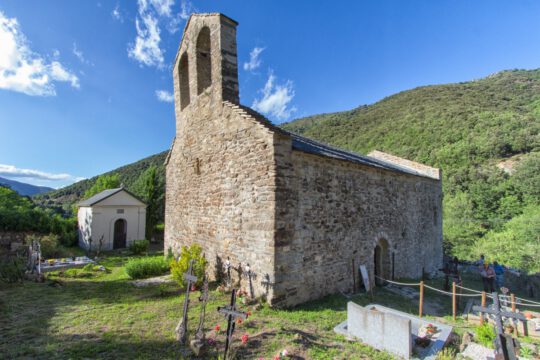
[[505, 299]]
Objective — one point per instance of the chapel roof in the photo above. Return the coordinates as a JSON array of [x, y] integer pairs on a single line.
[[104, 195]]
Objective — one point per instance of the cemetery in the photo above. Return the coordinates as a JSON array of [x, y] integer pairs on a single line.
[[105, 315]]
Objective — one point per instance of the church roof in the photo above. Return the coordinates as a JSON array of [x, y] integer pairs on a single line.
[[104, 195], [304, 144]]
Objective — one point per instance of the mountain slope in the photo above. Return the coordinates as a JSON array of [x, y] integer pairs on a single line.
[[24, 188], [466, 129], [63, 199]]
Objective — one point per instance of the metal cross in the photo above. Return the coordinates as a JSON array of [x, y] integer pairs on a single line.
[[250, 274], [204, 298], [181, 329], [503, 343], [232, 314]]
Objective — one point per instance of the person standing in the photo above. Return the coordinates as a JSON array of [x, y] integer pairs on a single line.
[[488, 277], [499, 274]]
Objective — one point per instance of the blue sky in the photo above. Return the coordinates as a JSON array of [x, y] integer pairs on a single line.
[[85, 85]]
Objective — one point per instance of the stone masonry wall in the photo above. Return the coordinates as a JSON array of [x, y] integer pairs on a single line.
[[220, 189], [334, 212]]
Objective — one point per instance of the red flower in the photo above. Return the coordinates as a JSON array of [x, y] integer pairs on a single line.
[[217, 328], [248, 313], [277, 357], [193, 287], [239, 321], [244, 338]]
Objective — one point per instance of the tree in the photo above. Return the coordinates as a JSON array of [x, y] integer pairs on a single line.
[[151, 196], [104, 182]]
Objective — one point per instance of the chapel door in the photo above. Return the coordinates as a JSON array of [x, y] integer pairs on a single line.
[[120, 230]]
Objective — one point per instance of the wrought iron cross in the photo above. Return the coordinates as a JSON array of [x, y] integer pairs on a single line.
[[250, 274], [232, 314], [503, 343], [181, 329], [204, 298]]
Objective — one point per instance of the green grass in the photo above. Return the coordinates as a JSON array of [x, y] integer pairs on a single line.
[[104, 316]]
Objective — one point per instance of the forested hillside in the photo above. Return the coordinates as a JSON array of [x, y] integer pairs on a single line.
[[484, 134], [63, 199]]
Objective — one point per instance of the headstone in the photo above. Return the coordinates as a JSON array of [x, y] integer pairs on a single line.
[[227, 266], [182, 330], [365, 277], [232, 314]]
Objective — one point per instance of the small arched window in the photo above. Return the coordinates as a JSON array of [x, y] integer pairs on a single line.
[[183, 72], [204, 61]]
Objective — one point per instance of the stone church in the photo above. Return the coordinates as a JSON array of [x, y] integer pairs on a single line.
[[304, 215]]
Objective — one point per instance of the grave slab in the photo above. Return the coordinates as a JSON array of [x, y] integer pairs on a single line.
[[391, 330]]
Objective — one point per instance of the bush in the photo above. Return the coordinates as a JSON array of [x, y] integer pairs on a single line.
[[139, 247], [140, 268], [12, 269], [178, 268], [485, 335]]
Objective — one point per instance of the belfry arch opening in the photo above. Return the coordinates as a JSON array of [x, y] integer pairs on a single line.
[[204, 60], [183, 73], [381, 262]]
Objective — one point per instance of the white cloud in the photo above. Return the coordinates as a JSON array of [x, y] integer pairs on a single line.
[[164, 96], [116, 14], [254, 60], [24, 71], [163, 7], [79, 54], [146, 49], [12, 171], [186, 8], [276, 99]]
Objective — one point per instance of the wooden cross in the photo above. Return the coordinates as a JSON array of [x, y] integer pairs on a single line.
[[250, 274], [181, 329], [504, 344], [267, 283], [232, 314]]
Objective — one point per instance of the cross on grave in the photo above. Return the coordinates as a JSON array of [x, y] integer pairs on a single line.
[[34, 258], [267, 283], [181, 329], [504, 344], [232, 314], [250, 274]]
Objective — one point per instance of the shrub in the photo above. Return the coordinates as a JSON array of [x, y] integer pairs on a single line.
[[485, 335], [178, 268], [49, 245], [12, 269], [139, 247], [140, 268]]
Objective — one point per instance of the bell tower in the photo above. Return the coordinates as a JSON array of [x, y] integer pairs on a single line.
[[206, 62]]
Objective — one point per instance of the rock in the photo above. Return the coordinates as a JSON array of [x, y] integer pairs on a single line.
[[198, 347], [466, 340]]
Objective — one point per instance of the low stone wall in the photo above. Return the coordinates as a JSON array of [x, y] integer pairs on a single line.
[[11, 241]]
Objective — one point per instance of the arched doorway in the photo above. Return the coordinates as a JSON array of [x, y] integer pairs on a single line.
[[381, 262], [120, 231]]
